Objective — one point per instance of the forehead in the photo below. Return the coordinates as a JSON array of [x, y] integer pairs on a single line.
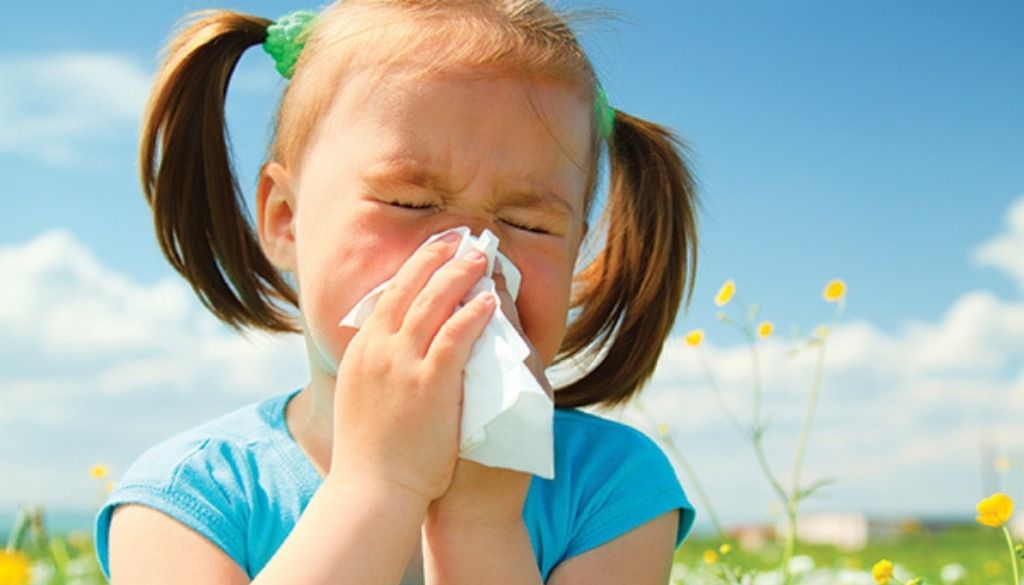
[[533, 128]]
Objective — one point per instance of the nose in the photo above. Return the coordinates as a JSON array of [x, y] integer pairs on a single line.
[[477, 222]]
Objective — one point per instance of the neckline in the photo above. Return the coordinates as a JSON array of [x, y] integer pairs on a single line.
[[302, 468]]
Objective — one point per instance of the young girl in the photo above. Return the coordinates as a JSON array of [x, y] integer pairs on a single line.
[[403, 119]]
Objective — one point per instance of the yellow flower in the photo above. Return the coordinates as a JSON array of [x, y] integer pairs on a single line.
[[765, 329], [663, 429], [109, 487], [78, 539], [992, 568], [882, 571], [821, 331], [725, 549], [914, 581], [1002, 464], [725, 293], [695, 337], [14, 568], [710, 557], [995, 510], [834, 290], [98, 471]]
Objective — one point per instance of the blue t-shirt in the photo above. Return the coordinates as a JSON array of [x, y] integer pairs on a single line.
[[242, 482]]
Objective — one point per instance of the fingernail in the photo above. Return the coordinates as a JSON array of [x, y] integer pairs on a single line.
[[497, 267], [450, 237], [475, 256]]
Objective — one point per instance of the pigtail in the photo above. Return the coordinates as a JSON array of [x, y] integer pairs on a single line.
[[629, 295], [189, 181]]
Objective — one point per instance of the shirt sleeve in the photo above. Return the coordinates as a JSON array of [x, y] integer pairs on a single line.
[[196, 483], [631, 483]]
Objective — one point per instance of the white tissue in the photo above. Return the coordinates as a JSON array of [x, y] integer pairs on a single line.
[[507, 418]]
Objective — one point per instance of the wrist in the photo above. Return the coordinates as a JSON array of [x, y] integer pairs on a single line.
[[459, 534], [378, 493], [442, 520]]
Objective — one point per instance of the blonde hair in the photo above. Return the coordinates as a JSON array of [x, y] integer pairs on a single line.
[[624, 301]]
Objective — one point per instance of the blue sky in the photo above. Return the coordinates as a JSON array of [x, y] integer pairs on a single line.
[[878, 142]]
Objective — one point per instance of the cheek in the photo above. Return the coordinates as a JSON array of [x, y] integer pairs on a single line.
[[543, 305], [335, 272]]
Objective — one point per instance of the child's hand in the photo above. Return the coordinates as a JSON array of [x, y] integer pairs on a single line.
[[490, 495], [398, 396]]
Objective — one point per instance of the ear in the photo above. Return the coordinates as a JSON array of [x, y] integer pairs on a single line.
[[275, 216]]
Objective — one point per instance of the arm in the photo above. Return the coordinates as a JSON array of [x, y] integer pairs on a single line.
[[349, 533], [496, 554], [393, 452], [642, 556], [503, 555]]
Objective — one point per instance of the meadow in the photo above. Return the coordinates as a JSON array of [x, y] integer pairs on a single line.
[[964, 555]]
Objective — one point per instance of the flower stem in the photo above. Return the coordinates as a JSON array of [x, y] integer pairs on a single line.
[[1013, 556], [717, 393], [690, 473], [21, 525], [805, 432], [757, 385]]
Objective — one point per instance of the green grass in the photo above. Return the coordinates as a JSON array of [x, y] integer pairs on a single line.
[[69, 559], [982, 551]]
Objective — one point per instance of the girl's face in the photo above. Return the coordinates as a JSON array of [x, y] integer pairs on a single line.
[[400, 156]]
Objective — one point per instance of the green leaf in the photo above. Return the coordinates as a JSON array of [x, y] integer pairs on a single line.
[[807, 491]]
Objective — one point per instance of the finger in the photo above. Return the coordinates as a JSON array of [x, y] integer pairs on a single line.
[[450, 348], [439, 298], [409, 280]]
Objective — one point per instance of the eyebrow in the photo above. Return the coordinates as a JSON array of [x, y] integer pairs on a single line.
[[404, 175]]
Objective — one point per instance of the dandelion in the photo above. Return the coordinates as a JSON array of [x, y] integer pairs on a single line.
[[14, 568], [725, 549], [882, 571], [821, 331], [995, 510], [800, 564], [663, 429], [98, 471], [765, 329], [952, 573], [725, 293], [695, 337], [834, 290], [710, 557]]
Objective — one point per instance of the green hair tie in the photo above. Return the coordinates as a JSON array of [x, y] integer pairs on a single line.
[[605, 113], [285, 39]]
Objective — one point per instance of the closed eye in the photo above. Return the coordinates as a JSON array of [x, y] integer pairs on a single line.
[[525, 227], [409, 205]]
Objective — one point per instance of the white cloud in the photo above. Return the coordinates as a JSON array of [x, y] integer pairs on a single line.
[[52, 104], [900, 419], [1005, 251], [89, 355]]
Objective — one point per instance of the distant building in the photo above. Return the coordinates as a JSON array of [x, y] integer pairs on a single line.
[[752, 536], [845, 530], [849, 531]]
